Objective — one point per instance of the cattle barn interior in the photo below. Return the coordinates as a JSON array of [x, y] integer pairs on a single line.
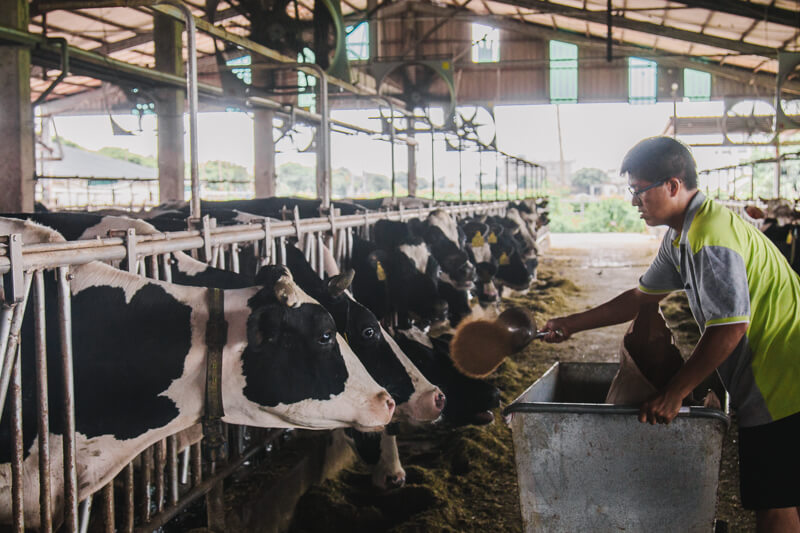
[[238, 236]]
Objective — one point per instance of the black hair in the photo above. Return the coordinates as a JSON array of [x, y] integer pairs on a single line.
[[660, 158]]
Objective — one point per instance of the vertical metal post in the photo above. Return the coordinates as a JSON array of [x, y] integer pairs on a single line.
[[480, 172], [108, 508], [752, 181], [146, 477], [43, 415], [433, 169], [172, 468], [129, 509], [12, 342], [516, 175], [496, 177], [460, 174], [508, 183], [70, 453], [159, 476], [17, 479]]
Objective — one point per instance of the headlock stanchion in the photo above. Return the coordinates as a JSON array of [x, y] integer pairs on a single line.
[[159, 486]]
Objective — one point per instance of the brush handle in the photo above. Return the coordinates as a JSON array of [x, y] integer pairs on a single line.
[[542, 334]]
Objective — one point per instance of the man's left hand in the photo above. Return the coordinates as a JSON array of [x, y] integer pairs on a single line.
[[661, 409]]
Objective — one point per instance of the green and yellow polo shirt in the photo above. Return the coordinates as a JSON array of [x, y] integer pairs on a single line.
[[733, 274]]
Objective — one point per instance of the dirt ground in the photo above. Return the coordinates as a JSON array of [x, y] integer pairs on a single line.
[[464, 479]]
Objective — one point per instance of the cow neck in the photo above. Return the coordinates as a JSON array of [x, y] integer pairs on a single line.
[[216, 338]]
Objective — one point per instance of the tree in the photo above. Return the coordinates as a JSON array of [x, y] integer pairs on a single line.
[[583, 179]]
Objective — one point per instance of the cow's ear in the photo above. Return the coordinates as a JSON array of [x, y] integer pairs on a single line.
[[340, 282]]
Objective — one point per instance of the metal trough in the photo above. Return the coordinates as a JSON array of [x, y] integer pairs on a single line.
[[583, 465]]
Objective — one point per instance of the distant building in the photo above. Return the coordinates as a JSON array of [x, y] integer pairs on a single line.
[[70, 177]]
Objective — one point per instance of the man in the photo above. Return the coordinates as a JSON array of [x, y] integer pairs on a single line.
[[745, 298]]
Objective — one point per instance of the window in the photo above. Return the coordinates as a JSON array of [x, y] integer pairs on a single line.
[[244, 72], [306, 99], [485, 44], [563, 73], [642, 78], [358, 42], [696, 85]]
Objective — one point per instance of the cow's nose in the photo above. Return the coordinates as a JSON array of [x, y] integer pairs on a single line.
[[439, 400], [389, 402], [395, 482]]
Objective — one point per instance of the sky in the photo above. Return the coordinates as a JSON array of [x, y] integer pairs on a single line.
[[591, 135]]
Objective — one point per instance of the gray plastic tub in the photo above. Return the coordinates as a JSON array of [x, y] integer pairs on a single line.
[[586, 466]]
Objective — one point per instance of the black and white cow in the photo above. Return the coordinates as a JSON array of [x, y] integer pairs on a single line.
[[512, 271], [416, 398], [446, 242], [139, 369], [469, 400], [410, 271]]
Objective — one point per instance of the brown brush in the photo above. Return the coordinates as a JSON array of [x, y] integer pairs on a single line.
[[479, 346]]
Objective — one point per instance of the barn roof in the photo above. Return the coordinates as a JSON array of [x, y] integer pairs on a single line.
[[739, 35]]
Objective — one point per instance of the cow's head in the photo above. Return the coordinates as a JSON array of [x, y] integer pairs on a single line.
[[479, 242], [512, 271], [297, 368], [470, 401]]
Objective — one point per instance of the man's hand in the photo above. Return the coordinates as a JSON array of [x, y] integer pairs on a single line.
[[558, 329], [662, 408]]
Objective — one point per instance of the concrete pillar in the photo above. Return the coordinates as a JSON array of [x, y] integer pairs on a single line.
[[264, 153], [167, 34], [16, 115], [412, 163]]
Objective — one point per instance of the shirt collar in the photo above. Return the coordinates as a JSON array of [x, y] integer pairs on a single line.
[[691, 210]]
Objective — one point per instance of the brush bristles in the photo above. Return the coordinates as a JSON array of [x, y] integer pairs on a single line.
[[479, 347]]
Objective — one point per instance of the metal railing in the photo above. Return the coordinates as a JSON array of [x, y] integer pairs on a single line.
[[160, 497]]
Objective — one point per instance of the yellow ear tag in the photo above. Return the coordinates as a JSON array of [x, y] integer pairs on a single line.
[[789, 238], [492, 238], [477, 240], [379, 271], [504, 259]]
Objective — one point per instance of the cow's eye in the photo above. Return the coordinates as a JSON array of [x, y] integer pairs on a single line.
[[326, 337], [368, 332]]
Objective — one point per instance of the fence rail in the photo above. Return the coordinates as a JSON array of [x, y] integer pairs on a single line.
[[160, 496]]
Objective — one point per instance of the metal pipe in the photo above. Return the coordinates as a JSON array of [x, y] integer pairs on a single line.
[[128, 487], [480, 173], [17, 453], [325, 135], [433, 169], [146, 481], [108, 508], [172, 468], [12, 341], [86, 512], [79, 252], [43, 414], [159, 475], [60, 41], [201, 488], [68, 401]]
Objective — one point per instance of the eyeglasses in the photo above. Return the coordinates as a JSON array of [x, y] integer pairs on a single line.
[[637, 193]]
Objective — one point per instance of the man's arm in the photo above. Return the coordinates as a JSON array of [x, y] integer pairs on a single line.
[[621, 309], [716, 345]]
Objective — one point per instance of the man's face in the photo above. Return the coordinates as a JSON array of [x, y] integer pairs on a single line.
[[651, 198]]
